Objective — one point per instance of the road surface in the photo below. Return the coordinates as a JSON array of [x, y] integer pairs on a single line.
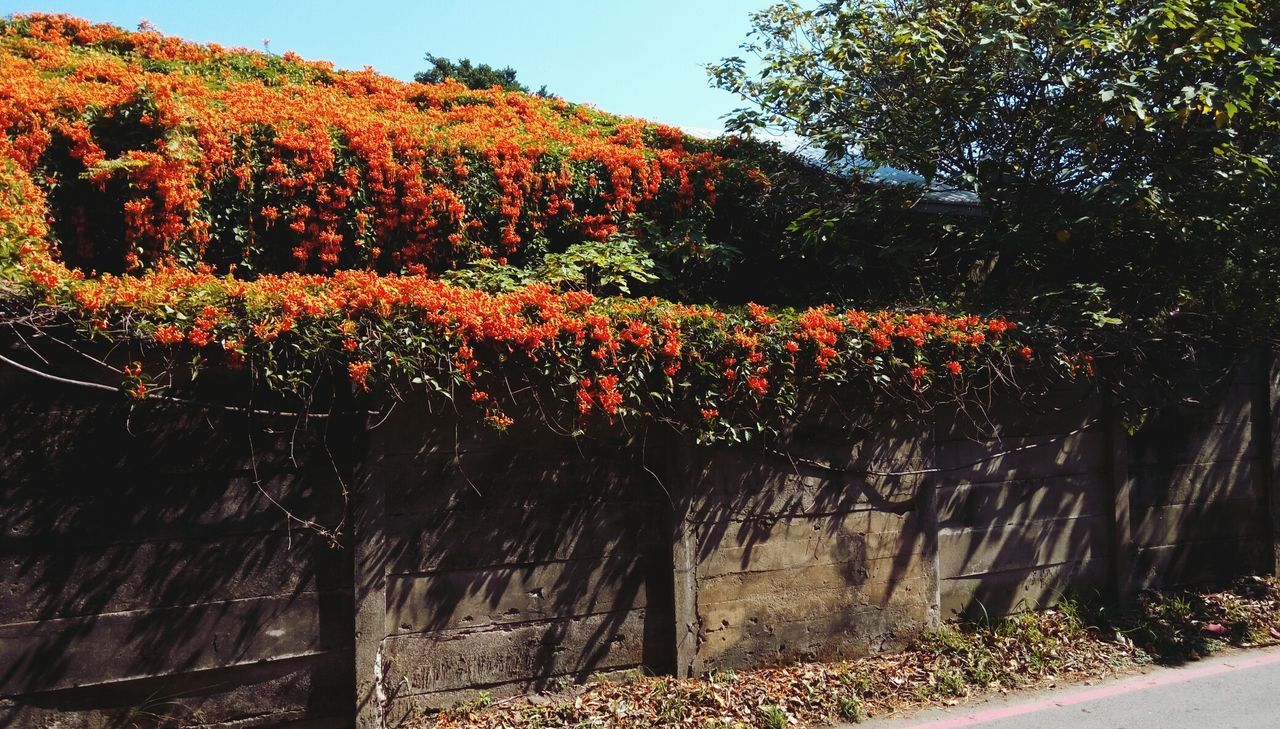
[[1236, 691]]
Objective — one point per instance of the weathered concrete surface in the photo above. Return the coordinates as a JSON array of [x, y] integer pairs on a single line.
[[450, 600], [69, 652], [800, 561], [369, 557], [1090, 509], [147, 569], [255, 695], [1024, 506], [543, 650], [1199, 484], [1270, 466], [513, 561], [156, 560]]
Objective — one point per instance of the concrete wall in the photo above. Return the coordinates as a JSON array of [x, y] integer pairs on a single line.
[[147, 569], [142, 571], [1025, 505], [513, 563], [1198, 484], [793, 560]]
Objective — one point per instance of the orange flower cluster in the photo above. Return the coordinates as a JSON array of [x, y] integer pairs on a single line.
[[617, 355], [240, 158], [357, 175]]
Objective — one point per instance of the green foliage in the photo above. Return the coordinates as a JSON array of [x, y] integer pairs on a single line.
[[601, 267], [773, 717], [1124, 150], [851, 709], [178, 223], [476, 76], [481, 701], [769, 256]]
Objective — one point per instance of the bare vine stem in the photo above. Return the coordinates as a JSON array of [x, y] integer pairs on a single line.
[[168, 398], [56, 378]]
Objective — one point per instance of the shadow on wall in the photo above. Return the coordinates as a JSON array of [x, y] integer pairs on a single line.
[[145, 574], [516, 560], [828, 549], [1197, 477], [1030, 527], [1025, 507], [800, 553]]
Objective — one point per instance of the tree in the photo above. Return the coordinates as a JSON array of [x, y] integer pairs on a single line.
[[473, 76], [1125, 150]]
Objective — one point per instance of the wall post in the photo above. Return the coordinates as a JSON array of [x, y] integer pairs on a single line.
[[684, 559], [927, 498], [1270, 419], [369, 584], [1122, 567]]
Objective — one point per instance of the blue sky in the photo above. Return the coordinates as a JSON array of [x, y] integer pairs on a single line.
[[635, 57]]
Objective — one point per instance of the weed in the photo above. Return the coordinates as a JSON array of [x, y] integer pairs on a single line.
[[851, 708], [1074, 615], [862, 681], [481, 700], [722, 675], [632, 675], [951, 683], [1167, 626], [980, 674], [774, 717], [672, 707], [946, 638]]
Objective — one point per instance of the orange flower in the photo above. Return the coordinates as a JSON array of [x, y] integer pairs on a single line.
[[168, 334], [499, 421], [359, 373]]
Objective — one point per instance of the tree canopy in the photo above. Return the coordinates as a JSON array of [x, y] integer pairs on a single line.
[[475, 76], [1124, 150]]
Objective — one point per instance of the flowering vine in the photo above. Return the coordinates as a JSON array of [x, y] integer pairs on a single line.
[[284, 216], [156, 148]]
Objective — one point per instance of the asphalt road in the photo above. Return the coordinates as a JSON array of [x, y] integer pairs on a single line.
[[1237, 691]]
